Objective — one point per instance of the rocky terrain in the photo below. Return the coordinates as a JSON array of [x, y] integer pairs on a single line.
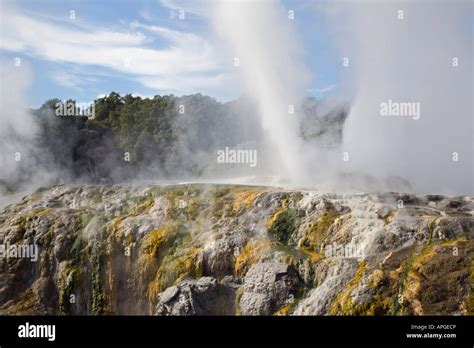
[[236, 250]]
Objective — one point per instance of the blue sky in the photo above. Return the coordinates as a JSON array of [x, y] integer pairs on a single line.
[[139, 47]]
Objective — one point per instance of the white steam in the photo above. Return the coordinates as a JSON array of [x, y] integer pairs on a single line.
[[17, 128], [260, 35], [410, 59]]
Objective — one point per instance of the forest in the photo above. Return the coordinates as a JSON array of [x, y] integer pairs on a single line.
[[134, 138]]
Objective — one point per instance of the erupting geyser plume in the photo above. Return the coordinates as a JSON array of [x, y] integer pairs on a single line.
[[267, 54]]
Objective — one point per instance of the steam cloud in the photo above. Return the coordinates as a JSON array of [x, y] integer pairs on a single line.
[[397, 51], [266, 46], [409, 59], [17, 126]]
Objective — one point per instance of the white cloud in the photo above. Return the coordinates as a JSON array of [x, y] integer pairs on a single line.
[[196, 7], [71, 79], [128, 52], [186, 82]]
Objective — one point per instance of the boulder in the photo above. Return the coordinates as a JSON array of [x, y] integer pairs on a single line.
[[204, 296], [268, 286]]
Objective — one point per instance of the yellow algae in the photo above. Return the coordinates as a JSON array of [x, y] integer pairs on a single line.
[[251, 253], [342, 304], [317, 231]]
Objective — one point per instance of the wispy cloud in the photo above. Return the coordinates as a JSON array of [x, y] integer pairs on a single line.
[[195, 7], [72, 79], [128, 51]]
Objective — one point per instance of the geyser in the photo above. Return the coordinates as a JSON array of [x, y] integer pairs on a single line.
[[265, 45]]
